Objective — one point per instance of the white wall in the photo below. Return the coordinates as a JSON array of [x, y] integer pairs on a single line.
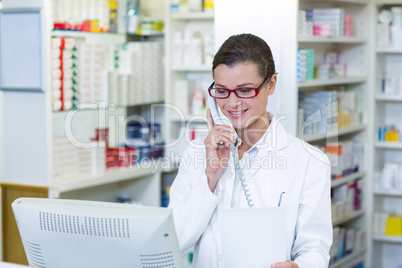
[[276, 22]]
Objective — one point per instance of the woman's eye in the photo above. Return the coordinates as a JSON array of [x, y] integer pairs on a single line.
[[245, 90], [221, 91]]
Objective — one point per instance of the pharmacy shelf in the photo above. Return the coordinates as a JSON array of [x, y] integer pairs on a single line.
[[387, 238], [331, 82], [389, 50], [194, 16], [61, 33], [389, 97], [110, 176], [347, 259], [333, 133], [392, 193], [331, 39], [347, 179], [388, 2], [388, 145], [353, 2], [111, 107], [353, 215], [191, 68]]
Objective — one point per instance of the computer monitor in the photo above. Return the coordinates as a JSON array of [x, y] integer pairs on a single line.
[[74, 233]]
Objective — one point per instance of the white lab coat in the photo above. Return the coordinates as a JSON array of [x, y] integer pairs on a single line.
[[290, 166]]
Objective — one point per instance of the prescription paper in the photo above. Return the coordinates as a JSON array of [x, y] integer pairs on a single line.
[[253, 237]]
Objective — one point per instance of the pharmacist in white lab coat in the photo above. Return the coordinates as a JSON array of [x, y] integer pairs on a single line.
[[275, 165]]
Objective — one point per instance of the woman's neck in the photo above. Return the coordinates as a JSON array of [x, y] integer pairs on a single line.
[[253, 133]]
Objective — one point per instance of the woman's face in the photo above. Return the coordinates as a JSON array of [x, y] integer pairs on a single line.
[[243, 112]]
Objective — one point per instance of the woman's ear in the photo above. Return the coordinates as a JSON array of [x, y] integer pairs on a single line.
[[272, 84]]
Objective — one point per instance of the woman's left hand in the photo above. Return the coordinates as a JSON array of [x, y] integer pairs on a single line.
[[288, 264]]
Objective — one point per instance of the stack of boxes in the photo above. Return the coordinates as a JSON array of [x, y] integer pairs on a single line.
[[345, 157], [70, 160], [304, 26], [140, 77], [62, 73], [346, 241], [318, 110], [323, 111], [327, 21], [305, 65], [349, 26], [125, 75], [149, 74], [347, 199], [88, 73], [390, 179], [388, 223]]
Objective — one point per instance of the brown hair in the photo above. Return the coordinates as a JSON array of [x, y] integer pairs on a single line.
[[243, 48]]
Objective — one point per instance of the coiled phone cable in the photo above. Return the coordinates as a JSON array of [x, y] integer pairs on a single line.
[[240, 174]]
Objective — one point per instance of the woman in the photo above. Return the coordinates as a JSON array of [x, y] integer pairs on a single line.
[[299, 176]]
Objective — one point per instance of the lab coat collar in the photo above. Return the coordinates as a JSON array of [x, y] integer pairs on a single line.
[[275, 138]]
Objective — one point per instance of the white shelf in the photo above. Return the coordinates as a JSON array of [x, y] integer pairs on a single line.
[[191, 68], [389, 97], [345, 260], [388, 2], [347, 179], [331, 39], [393, 193], [389, 145], [353, 215], [194, 16], [387, 238], [61, 33], [389, 50], [110, 176], [333, 133], [331, 82], [358, 2]]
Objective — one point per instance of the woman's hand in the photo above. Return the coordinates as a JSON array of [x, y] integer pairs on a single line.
[[287, 264], [217, 145]]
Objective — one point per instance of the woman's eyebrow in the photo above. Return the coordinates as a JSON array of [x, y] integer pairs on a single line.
[[238, 86]]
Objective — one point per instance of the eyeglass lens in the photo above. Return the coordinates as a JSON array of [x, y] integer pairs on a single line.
[[240, 92]]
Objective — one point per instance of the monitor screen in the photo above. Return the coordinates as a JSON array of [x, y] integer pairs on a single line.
[[74, 233]]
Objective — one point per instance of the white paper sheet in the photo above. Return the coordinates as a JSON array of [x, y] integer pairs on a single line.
[[253, 237]]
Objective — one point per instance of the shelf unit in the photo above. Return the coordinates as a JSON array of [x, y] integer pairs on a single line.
[[334, 133], [354, 51], [332, 82], [388, 98], [381, 192], [177, 117], [387, 239], [28, 146], [386, 111], [348, 259], [347, 179], [331, 39]]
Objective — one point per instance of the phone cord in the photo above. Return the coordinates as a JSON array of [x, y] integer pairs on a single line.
[[239, 171]]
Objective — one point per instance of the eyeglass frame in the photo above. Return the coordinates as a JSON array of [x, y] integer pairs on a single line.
[[257, 90]]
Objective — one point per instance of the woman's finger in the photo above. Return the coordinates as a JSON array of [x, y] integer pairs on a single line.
[[218, 136], [210, 121]]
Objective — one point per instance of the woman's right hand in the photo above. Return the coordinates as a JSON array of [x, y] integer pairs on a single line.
[[217, 145]]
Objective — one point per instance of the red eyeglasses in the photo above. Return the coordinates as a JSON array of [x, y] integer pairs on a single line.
[[243, 93]]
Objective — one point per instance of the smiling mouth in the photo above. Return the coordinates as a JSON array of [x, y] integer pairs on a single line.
[[238, 112]]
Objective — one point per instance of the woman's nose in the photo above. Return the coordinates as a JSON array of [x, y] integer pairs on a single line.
[[233, 100]]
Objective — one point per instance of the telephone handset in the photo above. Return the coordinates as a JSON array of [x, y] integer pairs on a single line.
[[220, 119]]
